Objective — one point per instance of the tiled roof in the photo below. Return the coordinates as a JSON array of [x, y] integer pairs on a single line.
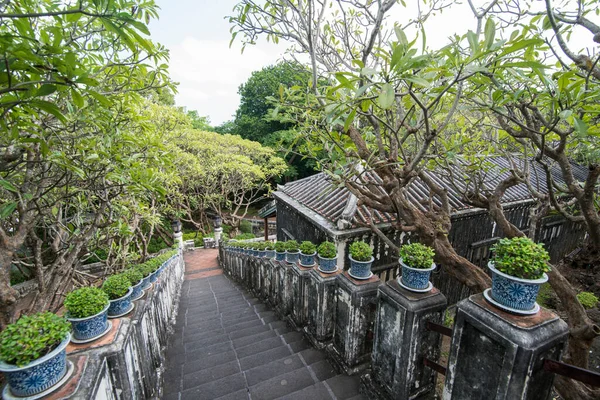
[[320, 194]]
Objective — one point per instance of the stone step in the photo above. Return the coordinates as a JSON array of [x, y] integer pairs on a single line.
[[318, 391], [282, 385], [343, 386], [217, 388], [273, 369]]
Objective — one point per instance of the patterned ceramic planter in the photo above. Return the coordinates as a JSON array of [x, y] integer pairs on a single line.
[[515, 294], [138, 290], [40, 375], [360, 269], [154, 276], [270, 254], [415, 279], [292, 257], [262, 253], [89, 328], [146, 282], [280, 256], [120, 306], [327, 265], [307, 260]]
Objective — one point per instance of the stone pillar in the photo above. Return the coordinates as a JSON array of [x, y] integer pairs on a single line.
[[356, 306], [178, 238], [283, 305], [321, 307], [266, 273], [497, 355], [299, 281], [402, 341], [218, 232], [274, 285]]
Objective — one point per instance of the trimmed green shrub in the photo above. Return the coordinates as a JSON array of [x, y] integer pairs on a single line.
[[269, 246], [327, 250], [245, 236], [143, 269], [308, 248], [587, 299], [85, 302], [361, 251], [520, 257], [280, 247], [292, 246], [417, 255], [32, 337], [245, 226], [134, 276], [116, 286]]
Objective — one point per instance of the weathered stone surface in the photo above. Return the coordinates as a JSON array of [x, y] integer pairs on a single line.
[[283, 305], [321, 307], [402, 341], [497, 355], [299, 281], [356, 305]]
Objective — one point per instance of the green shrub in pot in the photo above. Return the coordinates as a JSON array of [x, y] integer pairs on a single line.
[[417, 255], [116, 286], [134, 275], [307, 248], [520, 257], [280, 247], [85, 302], [292, 246], [361, 251], [327, 250]]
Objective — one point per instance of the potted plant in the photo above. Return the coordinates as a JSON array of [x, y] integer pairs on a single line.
[[361, 258], [519, 268], [307, 253], [146, 272], [119, 291], [87, 309], [261, 247], [136, 280], [416, 260], [327, 257], [280, 251], [270, 250], [32, 354], [154, 265], [292, 251]]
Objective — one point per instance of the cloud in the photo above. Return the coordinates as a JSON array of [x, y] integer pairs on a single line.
[[210, 73]]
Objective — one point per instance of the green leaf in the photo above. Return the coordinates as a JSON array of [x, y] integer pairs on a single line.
[[77, 98], [580, 127], [8, 186], [101, 99], [7, 209], [349, 120], [473, 43], [417, 80], [564, 114], [45, 90], [401, 36], [490, 32], [521, 44], [50, 108], [387, 96]]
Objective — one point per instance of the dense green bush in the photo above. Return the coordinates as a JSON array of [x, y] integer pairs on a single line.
[[417, 255], [134, 276], [85, 302], [587, 299], [280, 247], [143, 269], [292, 246], [361, 251], [269, 246], [156, 244], [32, 337], [327, 250], [245, 226], [116, 286], [520, 257], [245, 236], [308, 248]]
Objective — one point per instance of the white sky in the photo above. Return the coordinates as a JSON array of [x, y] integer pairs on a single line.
[[209, 72]]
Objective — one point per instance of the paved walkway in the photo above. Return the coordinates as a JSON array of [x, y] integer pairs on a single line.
[[229, 346]]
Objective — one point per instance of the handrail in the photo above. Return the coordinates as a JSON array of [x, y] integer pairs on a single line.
[[441, 329], [570, 371], [434, 366]]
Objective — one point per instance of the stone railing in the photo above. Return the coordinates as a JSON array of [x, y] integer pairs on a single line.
[[127, 363], [393, 337]]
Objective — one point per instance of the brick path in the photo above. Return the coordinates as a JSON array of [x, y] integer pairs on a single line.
[[229, 346]]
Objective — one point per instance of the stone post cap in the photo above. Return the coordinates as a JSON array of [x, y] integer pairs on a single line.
[[177, 235]]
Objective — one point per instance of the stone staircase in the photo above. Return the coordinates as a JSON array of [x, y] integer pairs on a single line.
[[229, 346]]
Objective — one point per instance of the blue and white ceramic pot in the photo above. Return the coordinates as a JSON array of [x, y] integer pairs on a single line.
[[154, 276], [515, 293], [292, 256], [307, 260], [146, 282], [90, 328], [138, 291], [415, 278], [120, 306], [327, 265], [262, 253], [38, 376], [360, 269], [280, 256], [270, 254]]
